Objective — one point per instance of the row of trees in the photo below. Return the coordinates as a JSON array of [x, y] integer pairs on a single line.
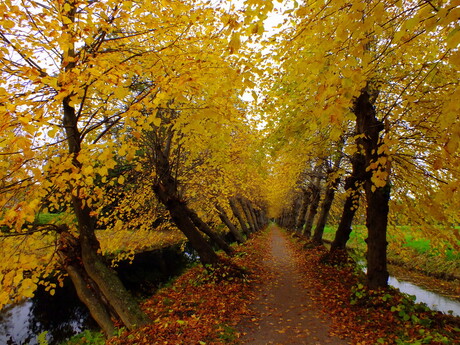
[[364, 100], [119, 115]]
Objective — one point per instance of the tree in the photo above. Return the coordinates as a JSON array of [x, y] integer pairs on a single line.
[[72, 99], [408, 52]]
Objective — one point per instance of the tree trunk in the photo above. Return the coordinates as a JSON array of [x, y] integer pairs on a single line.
[[327, 202], [352, 185], [377, 197], [324, 214], [165, 189], [247, 215], [180, 216], [300, 222], [87, 291], [237, 214], [252, 214], [106, 279], [216, 238], [223, 216], [313, 209]]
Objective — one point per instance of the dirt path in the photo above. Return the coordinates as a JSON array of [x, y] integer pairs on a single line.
[[285, 311]]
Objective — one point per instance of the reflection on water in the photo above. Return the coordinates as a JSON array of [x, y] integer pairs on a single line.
[[431, 299], [62, 315]]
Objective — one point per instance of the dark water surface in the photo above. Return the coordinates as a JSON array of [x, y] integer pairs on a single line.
[[63, 315]]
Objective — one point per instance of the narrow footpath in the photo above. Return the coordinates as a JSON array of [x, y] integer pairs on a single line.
[[285, 312]]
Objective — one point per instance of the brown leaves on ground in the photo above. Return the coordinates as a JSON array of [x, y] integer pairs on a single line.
[[205, 308], [200, 307], [371, 317]]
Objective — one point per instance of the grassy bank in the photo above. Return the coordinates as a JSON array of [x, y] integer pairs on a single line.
[[413, 259], [410, 249]]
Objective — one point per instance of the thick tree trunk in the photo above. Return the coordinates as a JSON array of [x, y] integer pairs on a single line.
[[106, 279], [313, 209], [69, 252], [377, 197], [216, 238], [165, 189], [223, 216], [238, 215]]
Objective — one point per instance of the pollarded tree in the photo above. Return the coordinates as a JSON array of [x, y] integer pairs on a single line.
[[386, 64], [72, 93]]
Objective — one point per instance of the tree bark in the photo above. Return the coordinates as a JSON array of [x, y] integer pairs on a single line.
[[324, 214], [87, 291], [165, 189], [327, 202], [238, 216], [252, 213], [313, 209], [247, 215], [300, 222], [106, 279], [377, 197], [216, 238], [223, 216], [180, 216], [352, 185]]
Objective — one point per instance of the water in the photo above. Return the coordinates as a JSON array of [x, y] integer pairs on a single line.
[[432, 300], [63, 315]]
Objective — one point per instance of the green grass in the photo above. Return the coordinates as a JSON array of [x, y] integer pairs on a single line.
[[49, 218], [409, 247]]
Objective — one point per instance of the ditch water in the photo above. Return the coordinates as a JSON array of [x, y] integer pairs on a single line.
[[63, 315], [433, 300]]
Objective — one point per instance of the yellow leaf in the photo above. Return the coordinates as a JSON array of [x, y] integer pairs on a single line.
[[121, 179], [157, 122], [235, 43]]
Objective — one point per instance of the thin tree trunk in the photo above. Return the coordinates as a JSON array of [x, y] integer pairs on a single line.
[[352, 185], [324, 214], [300, 222], [223, 216], [252, 214], [377, 197], [327, 203], [216, 238], [238, 216], [313, 209], [247, 215]]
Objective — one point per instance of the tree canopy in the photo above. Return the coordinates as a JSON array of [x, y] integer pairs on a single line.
[[114, 114]]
